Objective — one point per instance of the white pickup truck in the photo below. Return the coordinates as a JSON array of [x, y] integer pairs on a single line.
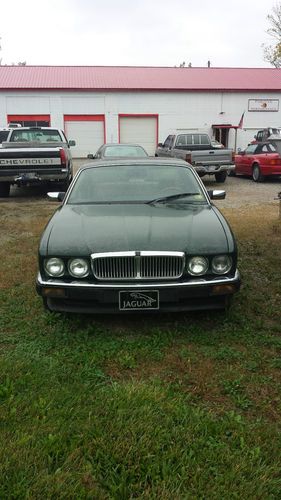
[[32, 155], [197, 149]]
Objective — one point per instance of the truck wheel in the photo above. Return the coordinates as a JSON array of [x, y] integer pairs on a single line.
[[256, 174], [221, 176], [4, 189]]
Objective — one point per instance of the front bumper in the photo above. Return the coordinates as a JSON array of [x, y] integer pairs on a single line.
[[81, 296]]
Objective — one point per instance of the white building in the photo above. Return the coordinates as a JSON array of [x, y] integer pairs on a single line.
[[141, 104]]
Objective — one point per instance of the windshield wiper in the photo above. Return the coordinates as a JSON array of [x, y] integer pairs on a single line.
[[171, 197]]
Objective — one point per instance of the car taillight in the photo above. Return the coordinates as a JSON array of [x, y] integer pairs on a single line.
[[275, 161], [233, 156], [188, 158], [62, 156]]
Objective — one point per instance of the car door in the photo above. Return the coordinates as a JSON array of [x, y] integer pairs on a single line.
[[259, 156], [167, 146], [267, 157], [263, 157], [239, 162], [246, 160]]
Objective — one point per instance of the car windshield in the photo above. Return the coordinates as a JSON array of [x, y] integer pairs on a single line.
[[126, 150], [35, 134], [136, 184]]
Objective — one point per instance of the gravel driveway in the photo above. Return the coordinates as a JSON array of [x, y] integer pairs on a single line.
[[242, 191]]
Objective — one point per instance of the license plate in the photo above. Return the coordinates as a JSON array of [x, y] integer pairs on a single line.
[[141, 300]]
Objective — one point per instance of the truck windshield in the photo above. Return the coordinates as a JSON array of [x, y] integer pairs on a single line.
[[35, 135]]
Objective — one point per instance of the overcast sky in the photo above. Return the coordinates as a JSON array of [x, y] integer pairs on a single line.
[[135, 32]]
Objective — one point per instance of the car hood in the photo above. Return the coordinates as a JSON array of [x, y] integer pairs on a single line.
[[84, 229]]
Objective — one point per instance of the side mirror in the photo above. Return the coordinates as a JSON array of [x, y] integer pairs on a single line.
[[56, 196], [90, 156], [71, 143], [160, 144], [217, 194]]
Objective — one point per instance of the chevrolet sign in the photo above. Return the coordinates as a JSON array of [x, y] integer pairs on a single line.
[[29, 161]]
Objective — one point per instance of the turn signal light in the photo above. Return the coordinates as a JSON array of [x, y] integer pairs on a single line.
[[226, 289], [53, 292]]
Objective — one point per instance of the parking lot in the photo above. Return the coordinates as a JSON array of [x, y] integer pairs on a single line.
[[240, 191]]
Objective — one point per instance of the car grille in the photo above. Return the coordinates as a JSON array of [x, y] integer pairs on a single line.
[[138, 265]]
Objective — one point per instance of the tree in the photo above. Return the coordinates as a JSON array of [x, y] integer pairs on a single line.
[[272, 53]]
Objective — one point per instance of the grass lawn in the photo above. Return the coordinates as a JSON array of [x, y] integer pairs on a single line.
[[183, 406]]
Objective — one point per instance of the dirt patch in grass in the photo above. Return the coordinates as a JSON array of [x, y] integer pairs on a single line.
[[215, 379]]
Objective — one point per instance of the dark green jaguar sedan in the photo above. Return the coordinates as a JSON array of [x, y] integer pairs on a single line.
[[137, 235]]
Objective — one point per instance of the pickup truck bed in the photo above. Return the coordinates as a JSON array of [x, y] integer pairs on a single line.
[[33, 162], [205, 159]]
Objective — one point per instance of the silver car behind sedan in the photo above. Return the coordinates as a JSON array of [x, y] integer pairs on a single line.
[[114, 150]]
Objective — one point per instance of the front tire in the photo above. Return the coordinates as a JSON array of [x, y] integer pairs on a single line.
[[4, 189], [256, 174], [221, 176]]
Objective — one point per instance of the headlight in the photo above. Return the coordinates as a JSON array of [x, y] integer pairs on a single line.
[[198, 266], [54, 267], [79, 268], [221, 264]]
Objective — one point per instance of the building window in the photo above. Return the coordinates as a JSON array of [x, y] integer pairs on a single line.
[[32, 123]]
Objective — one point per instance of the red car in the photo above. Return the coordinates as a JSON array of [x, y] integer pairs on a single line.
[[259, 161]]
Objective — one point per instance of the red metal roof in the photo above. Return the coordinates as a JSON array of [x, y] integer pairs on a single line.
[[138, 78]]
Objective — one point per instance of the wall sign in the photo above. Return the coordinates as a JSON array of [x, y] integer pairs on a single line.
[[263, 105]]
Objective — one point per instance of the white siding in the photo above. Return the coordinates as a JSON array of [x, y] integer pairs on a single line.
[[27, 105], [175, 110]]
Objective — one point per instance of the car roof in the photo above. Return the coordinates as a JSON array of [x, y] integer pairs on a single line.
[[121, 144], [19, 129], [152, 160]]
